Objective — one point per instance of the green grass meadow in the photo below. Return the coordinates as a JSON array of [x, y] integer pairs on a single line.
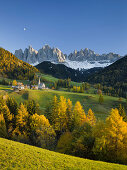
[[15, 155], [43, 97]]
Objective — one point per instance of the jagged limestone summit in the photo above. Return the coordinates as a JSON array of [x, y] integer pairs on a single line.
[[78, 59]]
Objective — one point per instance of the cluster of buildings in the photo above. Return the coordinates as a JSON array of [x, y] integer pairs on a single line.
[[21, 86]]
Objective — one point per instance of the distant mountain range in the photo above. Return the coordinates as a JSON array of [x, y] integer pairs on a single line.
[[114, 76], [85, 59]]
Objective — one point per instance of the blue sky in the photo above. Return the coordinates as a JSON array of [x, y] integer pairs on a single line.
[[100, 25]]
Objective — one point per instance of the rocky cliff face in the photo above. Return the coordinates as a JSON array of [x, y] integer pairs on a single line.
[[46, 53], [78, 59], [89, 55]]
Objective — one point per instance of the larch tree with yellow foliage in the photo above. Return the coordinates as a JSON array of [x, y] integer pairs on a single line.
[[61, 117], [116, 136], [4, 111], [42, 133], [91, 119], [111, 142], [20, 132], [79, 114], [22, 118], [70, 115], [3, 130], [53, 110]]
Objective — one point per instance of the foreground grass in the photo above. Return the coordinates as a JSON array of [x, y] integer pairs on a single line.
[[14, 155]]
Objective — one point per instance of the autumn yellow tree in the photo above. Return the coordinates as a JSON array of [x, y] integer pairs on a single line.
[[61, 116], [20, 132], [43, 135], [3, 130], [4, 111], [53, 110], [117, 136], [111, 139], [70, 116], [91, 119], [14, 83], [79, 114], [22, 118]]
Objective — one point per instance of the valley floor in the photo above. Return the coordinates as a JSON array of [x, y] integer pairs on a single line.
[[88, 100]]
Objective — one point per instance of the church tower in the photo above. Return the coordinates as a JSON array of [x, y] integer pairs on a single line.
[[39, 82]]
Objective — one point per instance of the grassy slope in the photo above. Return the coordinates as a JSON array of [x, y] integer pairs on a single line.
[[50, 78], [43, 97], [14, 155]]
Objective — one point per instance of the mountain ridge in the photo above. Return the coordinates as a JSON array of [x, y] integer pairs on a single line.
[[78, 59]]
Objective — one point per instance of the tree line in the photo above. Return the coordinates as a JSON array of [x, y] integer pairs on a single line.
[[66, 83]]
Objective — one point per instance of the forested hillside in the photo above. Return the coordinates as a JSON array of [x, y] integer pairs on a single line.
[[63, 72], [12, 67], [114, 75]]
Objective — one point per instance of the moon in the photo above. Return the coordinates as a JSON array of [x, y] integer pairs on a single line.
[[24, 29]]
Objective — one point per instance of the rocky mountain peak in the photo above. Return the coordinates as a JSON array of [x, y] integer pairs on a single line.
[[46, 53], [32, 50], [46, 47], [84, 58], [19, 54]]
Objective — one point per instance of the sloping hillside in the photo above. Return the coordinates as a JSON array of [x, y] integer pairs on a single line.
[[115, 73], [114, 76], [14, 155], [12, 67], [63, 72]]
